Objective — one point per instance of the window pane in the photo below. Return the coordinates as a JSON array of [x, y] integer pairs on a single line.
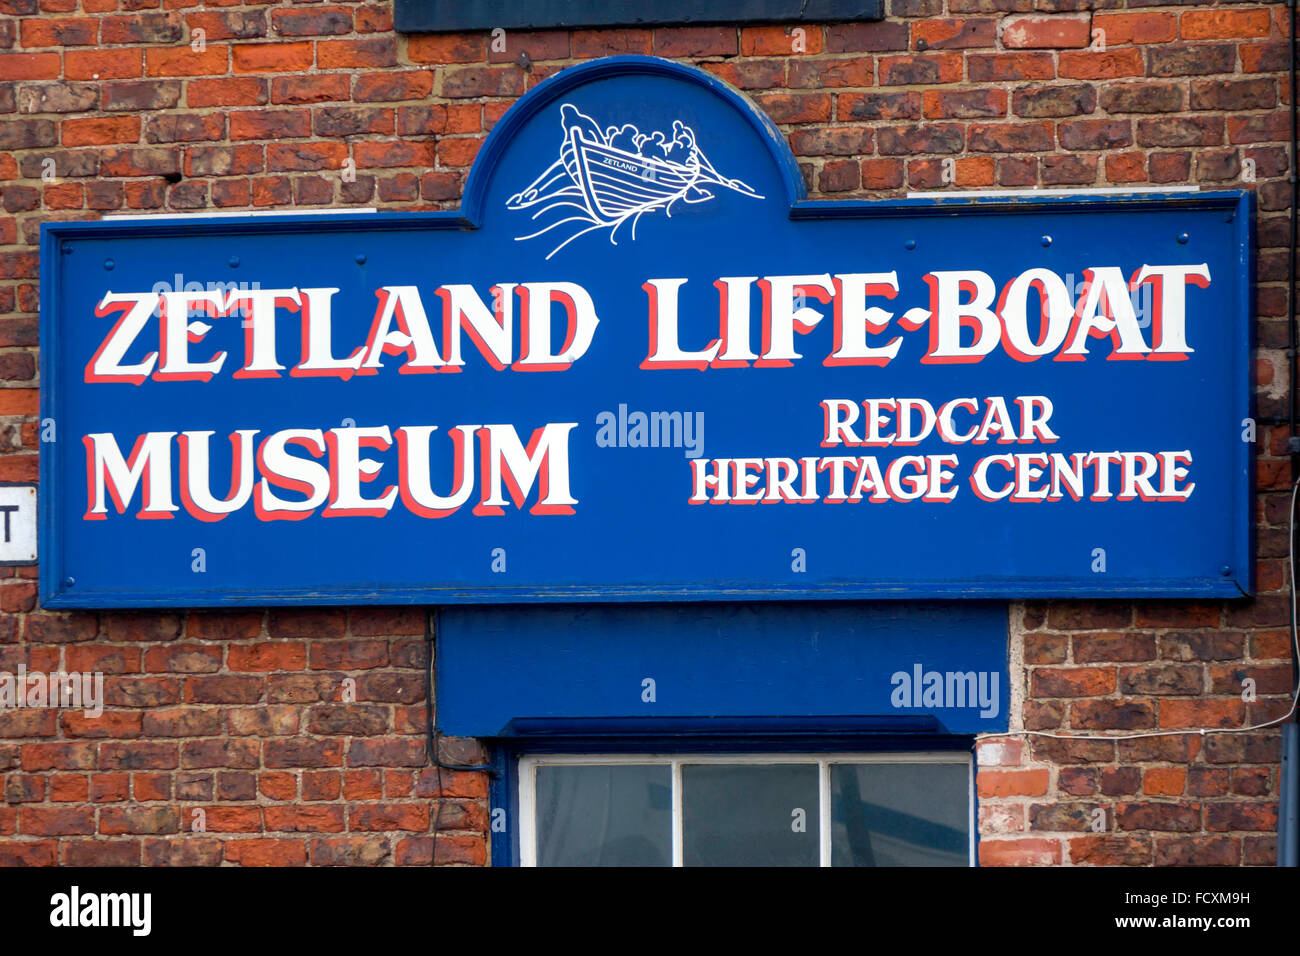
[[604, 815], [750, 815], [900, 815]]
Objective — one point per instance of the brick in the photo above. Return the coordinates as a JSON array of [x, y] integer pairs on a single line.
[[1046, 32], [182, 722], [1021, 852], [1111, 715], [1178, 679], [449, 48], [270, 58], [350, 851], [1164, 781], [1265, 57], [918, 70], [948, 34], [1008, 67], [1011, 137], [695, 41], [370, 155], [58, 756], [1241, 816], [1191, 59], [144, 28], [912, 140], [878, 106], [1169, 167], [1198, 851], [882, 173], [59, 32], [28, 852], [269, 124], [302, 624], [309, 819], [1224, 24], [139, 820], [101, 131], [1145, 97], [301, 752], [1012, 783], [1178, 817], [184, 128], [316, 88], [1096, 134], [228, 24], [965, 104], [1202, 713], [30, 66], [1125, 28], [336, 121], [369, 53], [1110, 851], [1072, 681], [1054, 101], [393, 86], [1201, 646], [51, 821], [1267, 128], [458, 151], [312, 21], [1180, 131], [226, 91], [287, 156], [160, 95], [780, 41], [190, 850], [183, 61], [878, 37], [449, 849], [814, 74], [796, 107], [265, 852], [1090, 65], [410, 817], [539, 45], [56, 98]]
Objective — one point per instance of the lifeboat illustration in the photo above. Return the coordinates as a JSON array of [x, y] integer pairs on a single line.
[[603, 179]]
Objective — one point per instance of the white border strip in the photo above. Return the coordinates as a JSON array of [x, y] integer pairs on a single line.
[[1038, 193], [236, 214]]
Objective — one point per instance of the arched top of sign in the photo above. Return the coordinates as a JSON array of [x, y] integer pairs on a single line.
[[602, 163]]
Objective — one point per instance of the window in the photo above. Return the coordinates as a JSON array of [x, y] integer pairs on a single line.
[[904, 809]]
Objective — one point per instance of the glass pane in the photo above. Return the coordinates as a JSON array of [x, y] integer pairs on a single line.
[[604, 815], [900, 814], [747, 815]]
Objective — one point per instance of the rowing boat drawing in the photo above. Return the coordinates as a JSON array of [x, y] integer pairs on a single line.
[[603, 179]]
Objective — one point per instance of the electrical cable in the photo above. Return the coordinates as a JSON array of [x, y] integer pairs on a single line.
[[1202, 731], [432, 735], [1293, 445]]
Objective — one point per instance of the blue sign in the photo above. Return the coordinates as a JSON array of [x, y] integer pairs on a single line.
[[639, 365], [905, 667]]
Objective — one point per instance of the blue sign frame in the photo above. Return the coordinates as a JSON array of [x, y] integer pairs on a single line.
[[722, 197]]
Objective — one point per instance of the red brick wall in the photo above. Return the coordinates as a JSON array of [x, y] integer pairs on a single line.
[[240, 715]]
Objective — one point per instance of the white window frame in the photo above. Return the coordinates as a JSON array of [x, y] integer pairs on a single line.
[[527, 785]]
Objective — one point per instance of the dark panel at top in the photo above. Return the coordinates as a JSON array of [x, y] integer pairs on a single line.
[[434, 16]]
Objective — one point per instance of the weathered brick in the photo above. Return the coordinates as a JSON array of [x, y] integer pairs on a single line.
[[1046, 32]]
